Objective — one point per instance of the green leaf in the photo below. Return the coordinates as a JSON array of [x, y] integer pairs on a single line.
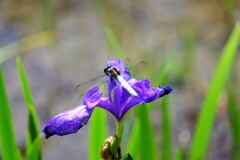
[[234, 112], [33, 129], [234, 120], [133, 140], [148, 144], [179, 154], [165, 69], [207, 115], [33, 152], [8, 144], [166, 129], [113, 42], [97, 132]]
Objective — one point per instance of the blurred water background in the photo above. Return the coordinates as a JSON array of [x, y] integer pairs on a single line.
[[75, 48]]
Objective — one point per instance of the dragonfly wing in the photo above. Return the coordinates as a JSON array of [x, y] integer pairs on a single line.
[[84, 87], [138, 68]]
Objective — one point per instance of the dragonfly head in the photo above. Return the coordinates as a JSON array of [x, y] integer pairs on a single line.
[[111, 72]]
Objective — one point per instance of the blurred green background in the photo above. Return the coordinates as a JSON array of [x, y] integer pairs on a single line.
[[65, 42]]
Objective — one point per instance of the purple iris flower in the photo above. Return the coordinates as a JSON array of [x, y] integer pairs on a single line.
[[118, 102]]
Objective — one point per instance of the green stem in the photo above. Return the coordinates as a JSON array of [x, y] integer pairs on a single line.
[[119, 130]]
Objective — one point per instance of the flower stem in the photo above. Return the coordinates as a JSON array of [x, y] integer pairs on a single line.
[[119, 130]]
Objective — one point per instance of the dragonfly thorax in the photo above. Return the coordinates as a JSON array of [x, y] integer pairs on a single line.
[[111, 72]]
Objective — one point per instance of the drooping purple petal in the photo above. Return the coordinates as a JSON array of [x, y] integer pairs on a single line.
[[72, 120], [67, 122]]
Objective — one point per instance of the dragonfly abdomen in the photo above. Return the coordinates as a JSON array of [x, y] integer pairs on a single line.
[[125, 85]]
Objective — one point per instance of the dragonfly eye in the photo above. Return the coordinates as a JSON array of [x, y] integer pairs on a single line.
[[106, 70]]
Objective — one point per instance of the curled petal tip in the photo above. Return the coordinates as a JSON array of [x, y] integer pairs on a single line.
[[167, 90]]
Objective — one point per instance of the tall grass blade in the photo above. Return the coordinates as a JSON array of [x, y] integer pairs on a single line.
[[234, 119], [234, 113], [166, 129], [33, 152], [114, 44], [207, 115], [164, 71], [8, 144], [164, 108], [179, 154], [97, 133], [33, 129], [134, 143], [148, 146]]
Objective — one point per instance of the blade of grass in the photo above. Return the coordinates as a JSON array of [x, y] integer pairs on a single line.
[[234, 119], [113, 42], [209, 106], [166, 129], [148, 145], [164, 108], [165, 69], [33, 152], [8, 141], [33, 123], [97, 133], [134, 143], [234, 113], [179, 154], [27, 44]]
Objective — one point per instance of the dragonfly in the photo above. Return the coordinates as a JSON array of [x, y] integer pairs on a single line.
[[113, 73]]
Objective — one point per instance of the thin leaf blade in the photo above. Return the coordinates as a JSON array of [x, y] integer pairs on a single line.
[[148, 146], [33, 129], [113, 42], [8, 143], [97, 132], [209, 106], [33, 152]]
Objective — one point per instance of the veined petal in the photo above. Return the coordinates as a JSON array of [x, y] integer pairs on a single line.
[[106, 103], [145, 92], [92, 97], [124, 101], [67, 122], [72, 120]]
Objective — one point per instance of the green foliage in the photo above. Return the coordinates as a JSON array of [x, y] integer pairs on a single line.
[[234, 113], [113, 43], [148, 146], [33, 129], [208, 110], [34, 149], [97, 133], [8, 144]]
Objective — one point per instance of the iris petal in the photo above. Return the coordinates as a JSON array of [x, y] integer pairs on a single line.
[[123, 101], [72, 120], [146, 95], [67, 122]]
